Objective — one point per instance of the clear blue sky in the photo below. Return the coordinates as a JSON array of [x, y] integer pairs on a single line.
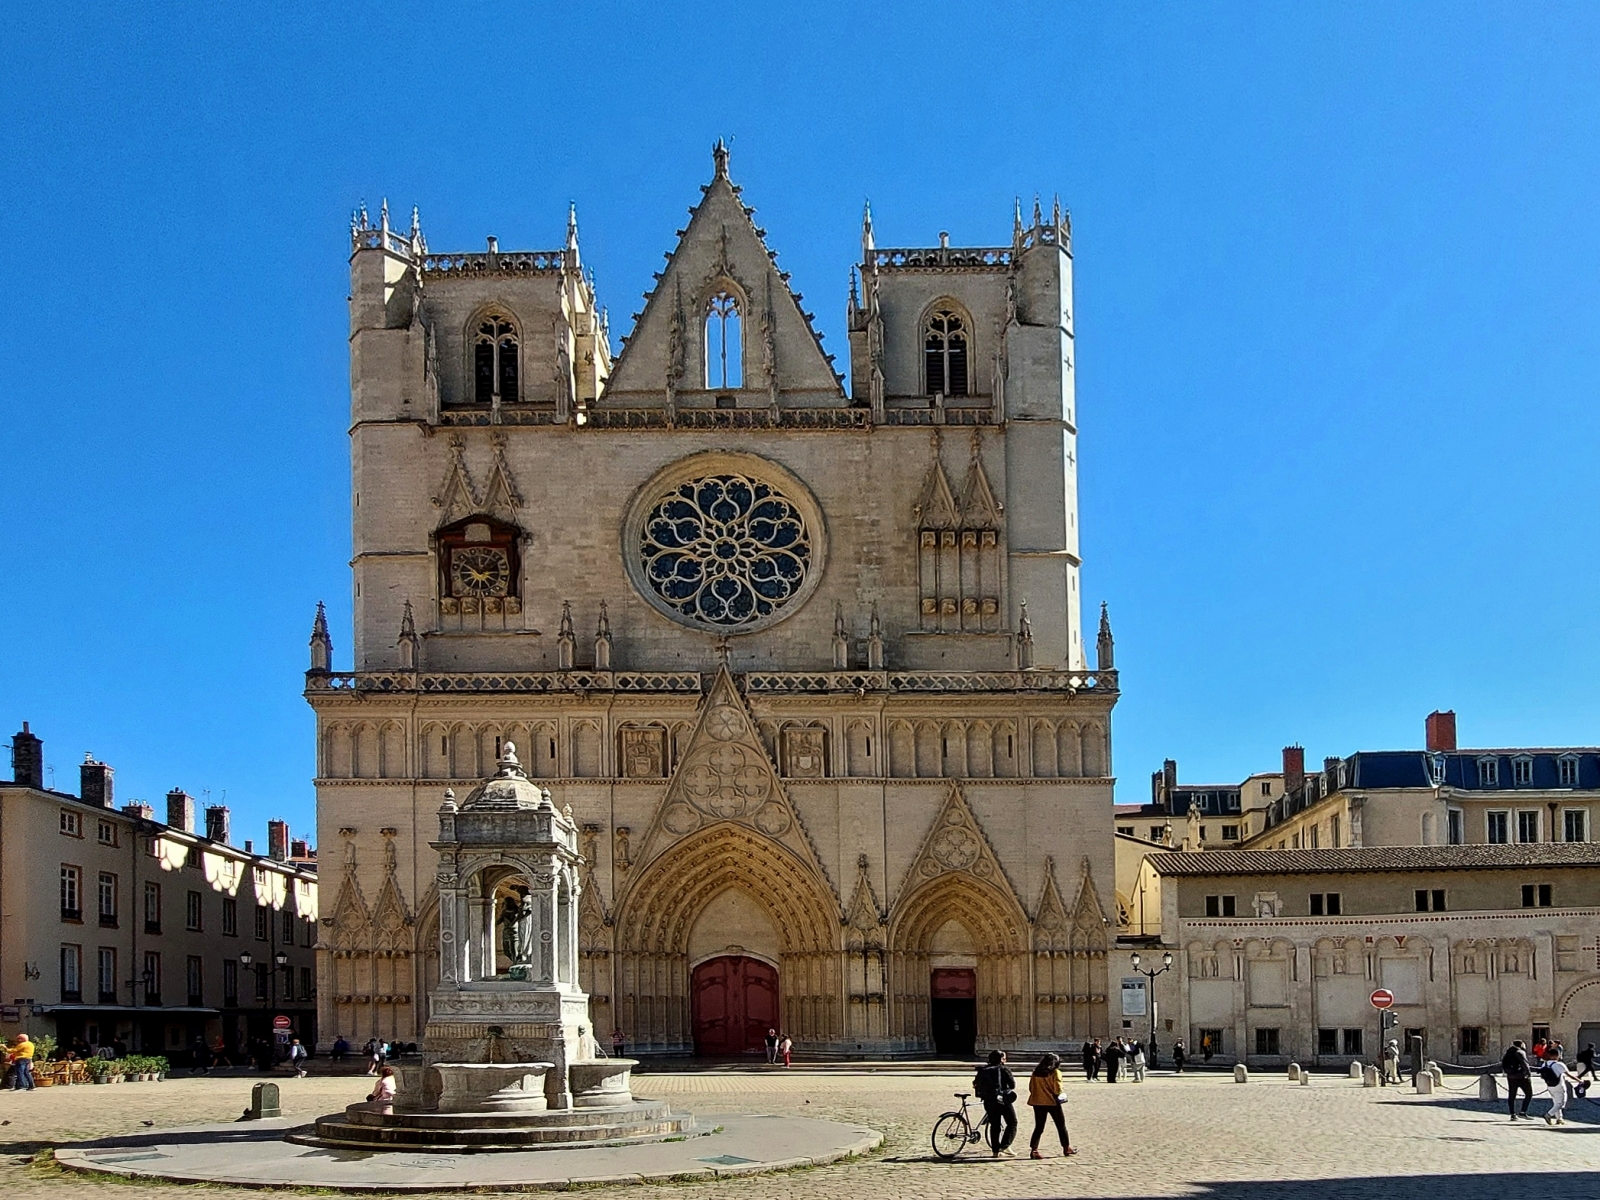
[[1337, 315]]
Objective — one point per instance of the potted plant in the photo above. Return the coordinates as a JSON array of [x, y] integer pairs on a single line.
[[99, 1069]]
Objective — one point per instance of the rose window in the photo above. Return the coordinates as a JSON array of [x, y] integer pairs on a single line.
[[725, 550]]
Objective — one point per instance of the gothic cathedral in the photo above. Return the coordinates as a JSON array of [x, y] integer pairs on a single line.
[[803, 660]]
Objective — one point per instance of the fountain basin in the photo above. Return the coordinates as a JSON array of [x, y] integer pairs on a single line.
[[601, 1082], [492, 1087]]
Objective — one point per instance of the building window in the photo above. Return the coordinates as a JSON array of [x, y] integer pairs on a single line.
[[1575, 824], [1220, 906], [1537, 895], [71, 893], [1472, 1040], [71, 972], [1455, 826], [494, 361], [724, 342], [1125, 830], [945, 354], [1312, 839], [1430, 901], [1567, 769], [1327, 1041], [1498, 827], [263, 972], [107, 971], [1528, 825], [1436, 769], [1327, 904], [107, 833], [1334, 831], [152, 908], [288, 928], [1488, 772], [230, 983], [1267, 1041], [152, 977], [230, 917], [308, 932], [71, 823], [1522, 770], [1230, 833], [1266, 787], [305, 983], [197, 996], [192, 912], [1352, 1041], [261, 923], [108, 900]]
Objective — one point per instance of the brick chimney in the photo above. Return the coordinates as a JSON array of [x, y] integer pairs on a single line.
[[278, 841], [180, 810], [1441, 729], [27, 759], [140, 810], [94, 782], [217, 823], [1294, 767], [299, 850]]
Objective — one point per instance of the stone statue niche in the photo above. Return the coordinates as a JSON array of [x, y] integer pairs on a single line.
[[508, 994]]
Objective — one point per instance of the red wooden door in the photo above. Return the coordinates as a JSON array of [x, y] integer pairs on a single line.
[[733, 1001]]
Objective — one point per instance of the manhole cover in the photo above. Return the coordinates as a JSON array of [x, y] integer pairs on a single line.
[[727, 1160]]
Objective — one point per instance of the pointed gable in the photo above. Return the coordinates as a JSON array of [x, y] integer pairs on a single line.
[[722, 253], [725, 774], [979, 508], [500, 495], [456, 497], [956, 842], [936, 506]]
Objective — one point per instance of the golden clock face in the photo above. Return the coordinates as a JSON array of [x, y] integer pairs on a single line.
[[480, 571]]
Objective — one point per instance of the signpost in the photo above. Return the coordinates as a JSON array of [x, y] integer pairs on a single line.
[[281, 1022], [1383, 1000]]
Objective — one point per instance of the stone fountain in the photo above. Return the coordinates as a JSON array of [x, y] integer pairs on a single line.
[[510, 1060]]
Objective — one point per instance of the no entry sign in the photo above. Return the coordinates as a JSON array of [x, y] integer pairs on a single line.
[[284, 1022], [1382, 998]]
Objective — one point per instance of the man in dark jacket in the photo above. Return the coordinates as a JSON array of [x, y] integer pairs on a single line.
[[1519, 1078], [1091, 1058], [996, 1086], [1586, 1061], [1113, 1056]]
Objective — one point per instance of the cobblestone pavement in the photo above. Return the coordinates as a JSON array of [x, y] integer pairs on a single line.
[[1190, 1136]]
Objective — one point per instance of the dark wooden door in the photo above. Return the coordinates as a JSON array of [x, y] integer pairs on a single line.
[[953, 1010], [733, 1001]]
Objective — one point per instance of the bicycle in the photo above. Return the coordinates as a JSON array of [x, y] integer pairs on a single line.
[[954, 1131]]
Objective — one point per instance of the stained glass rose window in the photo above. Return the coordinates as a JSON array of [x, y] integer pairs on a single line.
[[725, 550]]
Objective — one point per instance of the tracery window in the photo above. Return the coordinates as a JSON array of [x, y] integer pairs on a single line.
[[725, 550], [945, 354], [724, 342], [494, 360]]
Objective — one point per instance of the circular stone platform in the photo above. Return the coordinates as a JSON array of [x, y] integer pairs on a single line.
[[257, 1154]]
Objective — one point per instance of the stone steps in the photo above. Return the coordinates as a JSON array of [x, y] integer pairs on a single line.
[[363, 1128], [639, 1110]]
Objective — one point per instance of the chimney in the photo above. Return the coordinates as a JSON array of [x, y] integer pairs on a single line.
[[1441, 728], [27, 759], [278, 841], [298, 850], [217, 823], [1294, 767], [249, 846], [1330, 768], [139, 810], [94, 782], [180, 810]]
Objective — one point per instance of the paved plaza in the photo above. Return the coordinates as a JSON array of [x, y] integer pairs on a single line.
[[1200, 1135]]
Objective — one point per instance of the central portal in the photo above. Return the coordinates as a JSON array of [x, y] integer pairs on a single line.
[[734, 1001]]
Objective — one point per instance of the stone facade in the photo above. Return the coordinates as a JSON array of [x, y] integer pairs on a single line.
[[807, 665]]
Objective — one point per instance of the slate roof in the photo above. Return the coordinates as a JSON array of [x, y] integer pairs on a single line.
[[1378, 858]]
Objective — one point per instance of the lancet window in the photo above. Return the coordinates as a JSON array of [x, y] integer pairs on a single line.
[[494, 360], [724, 342], [945, 354]]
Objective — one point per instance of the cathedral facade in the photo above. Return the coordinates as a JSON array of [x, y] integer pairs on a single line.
[[803, 655]]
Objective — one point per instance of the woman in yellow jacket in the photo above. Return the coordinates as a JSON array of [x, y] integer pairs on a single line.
[[1044, 1097]]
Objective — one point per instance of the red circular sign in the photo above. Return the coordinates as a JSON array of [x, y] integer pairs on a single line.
[[1382, 998], [285, 1023]]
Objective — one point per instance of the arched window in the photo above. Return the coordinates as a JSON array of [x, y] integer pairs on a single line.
[[724, 343], [945, 354], [494, 360]]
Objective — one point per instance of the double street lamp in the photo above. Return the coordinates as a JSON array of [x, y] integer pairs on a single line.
[[1150, 973], [280, 960]]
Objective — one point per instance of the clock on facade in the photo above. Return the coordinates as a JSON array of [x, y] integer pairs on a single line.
[[479, 571]]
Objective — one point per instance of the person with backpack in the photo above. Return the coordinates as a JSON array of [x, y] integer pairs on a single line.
[[1519, 1078], [1558, 1080], [1045, 1098], [996, 1086], [297, 1058]]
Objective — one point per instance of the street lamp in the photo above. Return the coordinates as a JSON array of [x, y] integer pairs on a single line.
[[279, 961], [1150, 973]]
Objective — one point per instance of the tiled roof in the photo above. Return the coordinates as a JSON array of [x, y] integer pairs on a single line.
[[1378, 858]]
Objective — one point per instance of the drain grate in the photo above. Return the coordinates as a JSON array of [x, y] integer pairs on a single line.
[[727, 1160]]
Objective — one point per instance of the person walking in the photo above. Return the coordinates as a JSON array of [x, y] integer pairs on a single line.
[[1113, 1056], [20, 1060], [1519, 1078], [1179, 1056], [1391, 1062], [619, 1043], [772, 1047], [297, 1058], [1045, 1098], [1136, 1062], [374, 1056], [996, 1086], [1151, 1054], [1091, 1059], [786, 1048], [1206, 1048], [1585, 1062], [1558, 1080]]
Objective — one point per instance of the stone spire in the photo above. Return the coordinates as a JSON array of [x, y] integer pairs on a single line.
[[1104, 647], [573, 260], [1024, 640], [1016, 225], [719, 158], [321, 643], [874, 643], [566, 640], [841, 642], [602, 641], [409, 643], [867, 244]]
